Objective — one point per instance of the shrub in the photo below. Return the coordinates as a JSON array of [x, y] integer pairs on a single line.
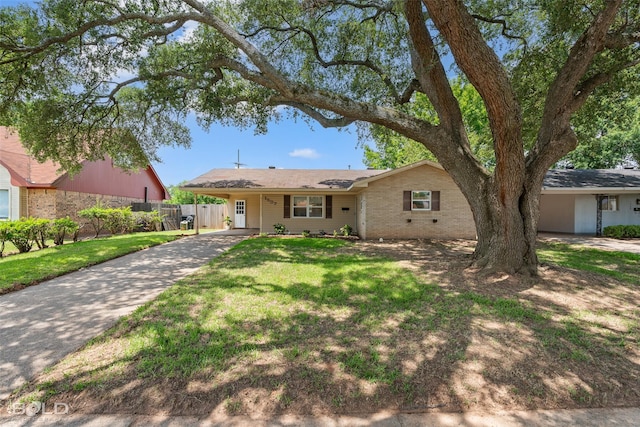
[[40, 229], [62, 227], [147, 221], [279, 228], [119, 220], [306, 233], [96, 216], [622, 231], [346, 230], [4, 235], [22, 234]]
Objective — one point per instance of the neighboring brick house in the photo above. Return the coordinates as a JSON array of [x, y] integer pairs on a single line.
[[416, 201], [32, 189]]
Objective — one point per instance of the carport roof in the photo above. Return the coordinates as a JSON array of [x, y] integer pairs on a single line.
[[623, 179]]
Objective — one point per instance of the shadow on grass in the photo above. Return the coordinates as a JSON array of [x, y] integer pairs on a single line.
[[619, 265], [321, 329]]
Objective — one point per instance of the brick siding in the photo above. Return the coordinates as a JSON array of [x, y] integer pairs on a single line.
[[52, 204], [383, 214]]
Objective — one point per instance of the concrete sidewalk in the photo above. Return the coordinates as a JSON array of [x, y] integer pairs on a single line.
[[622, 417], [41, 324]]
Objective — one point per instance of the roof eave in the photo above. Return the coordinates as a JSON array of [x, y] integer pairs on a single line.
[[166, 195], [18, 180], [212, 190], [590, 190]]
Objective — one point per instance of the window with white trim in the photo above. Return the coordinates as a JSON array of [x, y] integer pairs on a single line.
[[308, 207], [421, 200], [4, 204], [609, 203]]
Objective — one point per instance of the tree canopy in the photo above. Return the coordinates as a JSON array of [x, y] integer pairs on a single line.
[[393, 150], [85, 79], [181, 197], [610, 140]]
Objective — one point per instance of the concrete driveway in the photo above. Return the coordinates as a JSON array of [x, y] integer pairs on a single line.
[[41, 324], [604, 243]]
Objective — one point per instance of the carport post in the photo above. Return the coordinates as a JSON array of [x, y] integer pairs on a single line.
[[195, 218], [599, 198]]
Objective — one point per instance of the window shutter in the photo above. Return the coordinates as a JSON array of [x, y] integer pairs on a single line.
[[329, 207], [406, 200], [435, 200], [287, 206]]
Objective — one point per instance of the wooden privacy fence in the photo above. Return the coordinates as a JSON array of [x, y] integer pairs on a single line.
[[171, 214], [209, 216]]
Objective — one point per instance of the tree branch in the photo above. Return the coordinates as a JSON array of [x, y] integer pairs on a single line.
[[158, 76], [485, 72], [561, 99], [27, 51], [277, 80], [430, 71], [620, 40], [505, 28], [412, 87], [316, 115], [587, 87], [340, 62]]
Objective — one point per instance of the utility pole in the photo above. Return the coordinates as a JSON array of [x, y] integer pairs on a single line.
[[238, 164]]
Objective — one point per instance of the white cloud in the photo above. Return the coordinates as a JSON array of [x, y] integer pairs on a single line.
[[305, 153]]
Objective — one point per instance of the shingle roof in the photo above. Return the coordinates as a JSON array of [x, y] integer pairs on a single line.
[[28, 172], [280, 178], [288, 179], [23, 168], [592, 178]]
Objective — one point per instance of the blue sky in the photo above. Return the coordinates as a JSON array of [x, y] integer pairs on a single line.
[[288, 144]]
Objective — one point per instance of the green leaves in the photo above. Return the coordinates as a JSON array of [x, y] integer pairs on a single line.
[[393, 151], [180, 197], [84, 69]]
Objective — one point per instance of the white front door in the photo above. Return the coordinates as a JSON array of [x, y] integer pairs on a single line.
[[241, 214]]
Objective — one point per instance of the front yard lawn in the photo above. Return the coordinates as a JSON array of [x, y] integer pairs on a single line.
[[29, 268], [319, 326], [621, 265]]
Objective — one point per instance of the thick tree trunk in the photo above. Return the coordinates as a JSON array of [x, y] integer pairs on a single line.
[[505, 241]]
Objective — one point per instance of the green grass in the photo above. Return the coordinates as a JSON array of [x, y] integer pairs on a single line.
[[624, 266], [33, 267], [314, 317], [10, 249]]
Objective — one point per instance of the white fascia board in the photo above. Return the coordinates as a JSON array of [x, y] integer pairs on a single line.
[[590, 190]]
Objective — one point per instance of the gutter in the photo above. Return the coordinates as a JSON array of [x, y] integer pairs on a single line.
[[590, 190]]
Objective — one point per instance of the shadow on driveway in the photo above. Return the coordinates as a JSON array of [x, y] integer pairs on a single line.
[[41, 324]]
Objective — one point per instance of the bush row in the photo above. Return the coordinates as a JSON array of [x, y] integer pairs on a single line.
[[26, 232], [120, 220], [622, 231]]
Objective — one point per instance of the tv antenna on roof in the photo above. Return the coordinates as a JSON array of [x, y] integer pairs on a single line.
[[238, 164]]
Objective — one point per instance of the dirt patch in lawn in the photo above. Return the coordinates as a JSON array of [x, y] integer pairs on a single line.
[[566, 339]]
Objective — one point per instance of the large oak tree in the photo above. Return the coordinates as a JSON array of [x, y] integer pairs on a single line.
[[81, 79]]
